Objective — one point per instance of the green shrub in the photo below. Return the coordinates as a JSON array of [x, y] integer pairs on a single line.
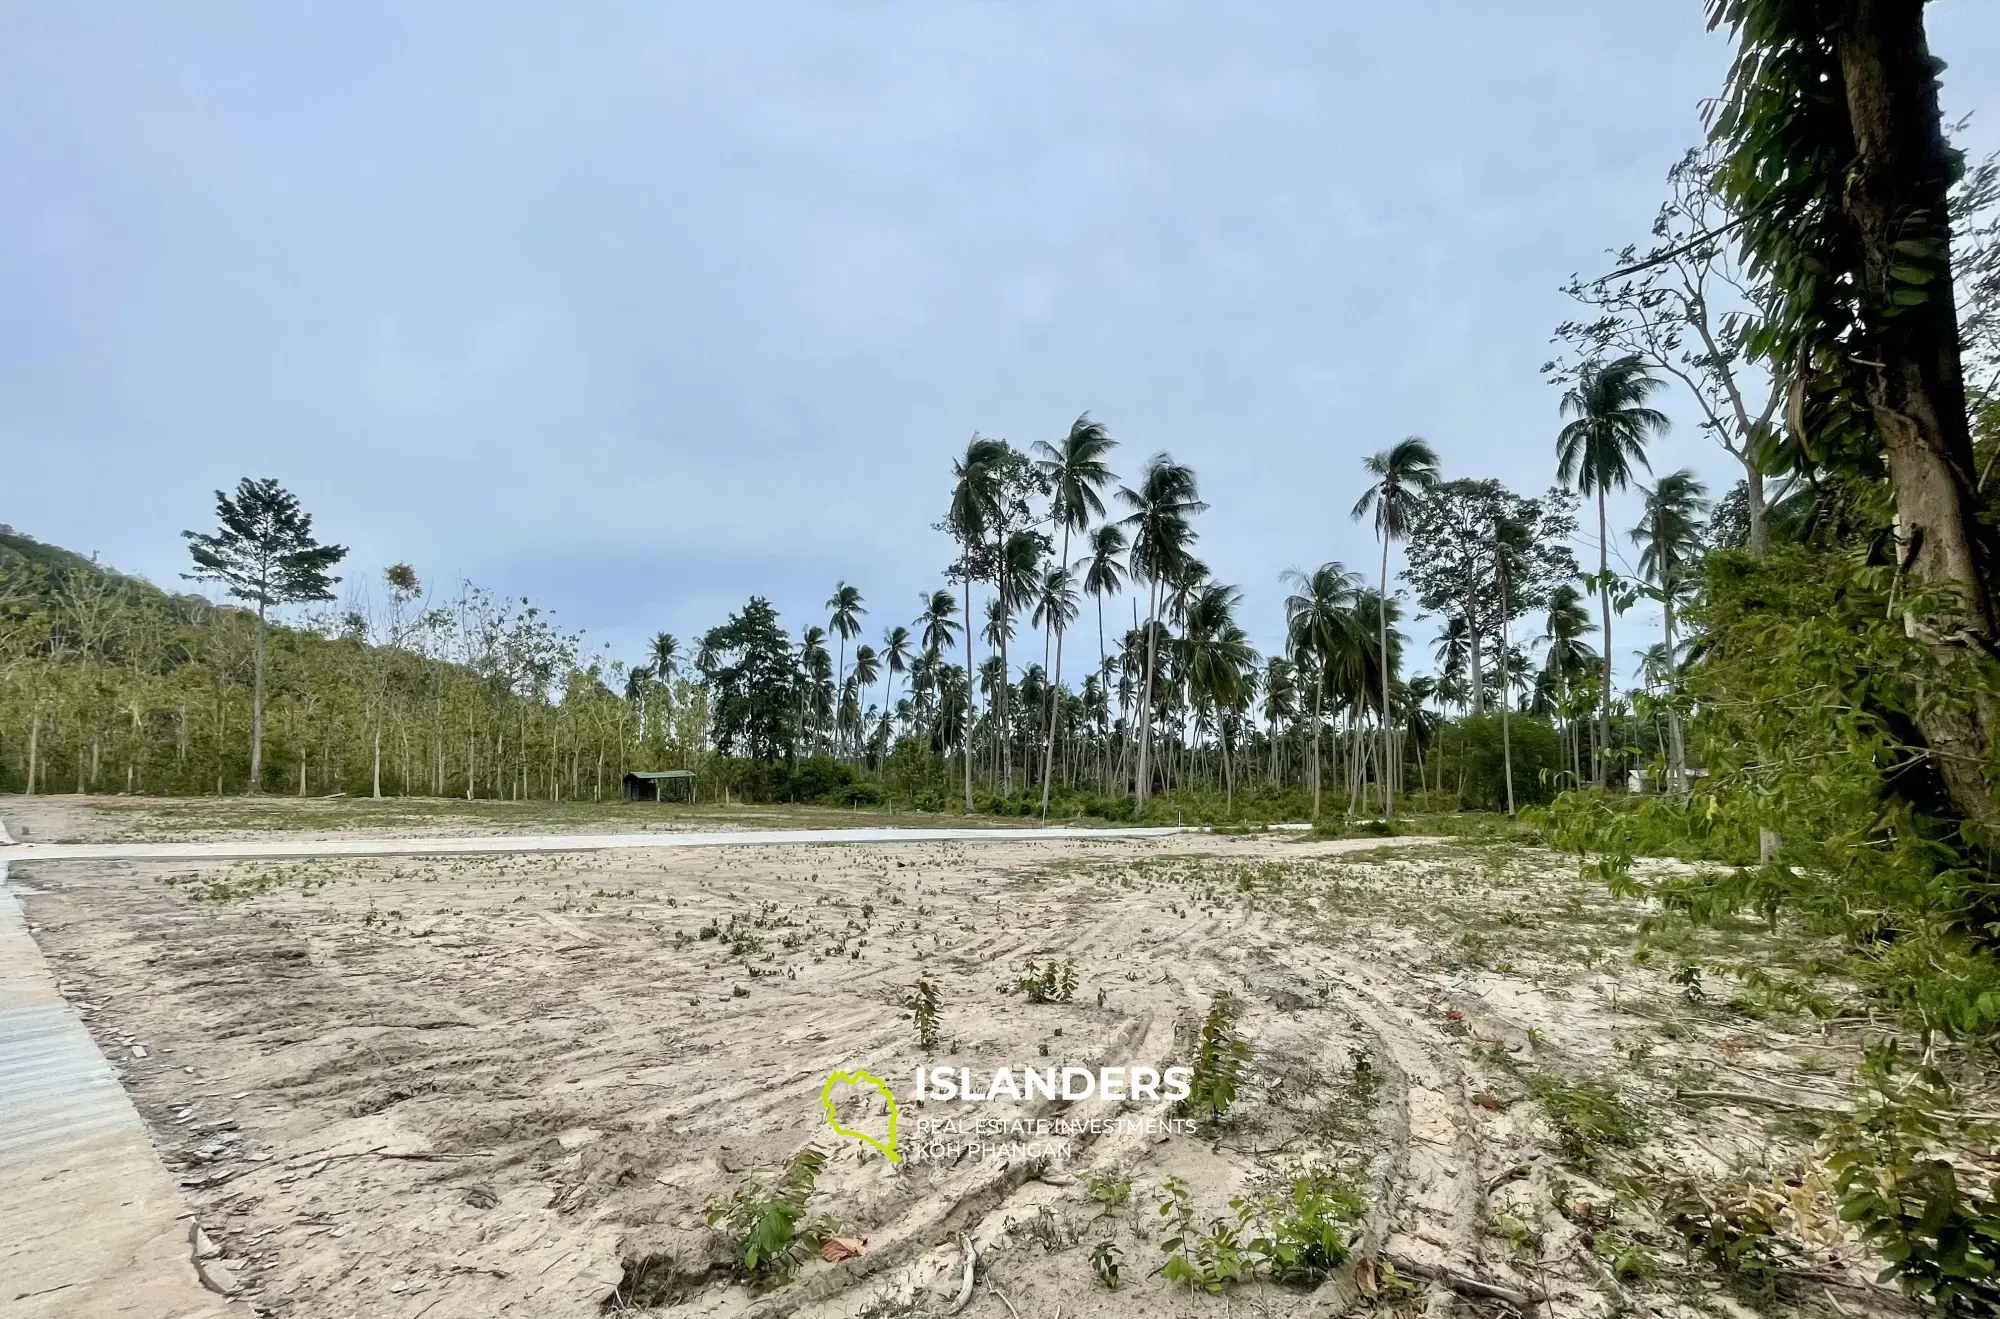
[[770, 1234], [1473, 745]]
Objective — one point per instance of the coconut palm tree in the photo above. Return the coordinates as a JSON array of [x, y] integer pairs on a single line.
[[1220, 667], [1162, 509], [816, 695], [1669, 539], [1402, 473], [975, 506], [1017, 574], [1055, 609], [895, 659], [1075, 471], [1513, 541], [1596, 452], [938, 623], [1104, 575], [1568, 659], [1281, 703], [1320, 629], [867, 665], [1452, 652], [664, 654], [846, 608]]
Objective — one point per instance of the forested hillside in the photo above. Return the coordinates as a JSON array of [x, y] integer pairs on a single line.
[[112, 684]]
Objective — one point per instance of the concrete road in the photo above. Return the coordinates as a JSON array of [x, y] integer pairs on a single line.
[[272, 849]]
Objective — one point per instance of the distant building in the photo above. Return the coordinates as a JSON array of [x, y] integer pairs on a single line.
[[660, 785]]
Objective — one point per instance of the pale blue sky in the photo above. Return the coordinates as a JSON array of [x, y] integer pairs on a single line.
[[641, 308]]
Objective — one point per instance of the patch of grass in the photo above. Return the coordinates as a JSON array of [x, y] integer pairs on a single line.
[[1588, 1115]]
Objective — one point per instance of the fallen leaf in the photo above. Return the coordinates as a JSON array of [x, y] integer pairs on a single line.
[[835, 1249]]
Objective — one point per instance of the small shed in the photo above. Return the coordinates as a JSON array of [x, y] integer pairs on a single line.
[[660, 785]]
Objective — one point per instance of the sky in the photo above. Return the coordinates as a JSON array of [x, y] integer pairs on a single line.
[[638, 309]]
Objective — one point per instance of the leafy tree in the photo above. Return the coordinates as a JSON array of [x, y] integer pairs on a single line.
[[1836, 160], [1402, 473], [263, 553], [756, 684], [1596, 452], [1690, 307]]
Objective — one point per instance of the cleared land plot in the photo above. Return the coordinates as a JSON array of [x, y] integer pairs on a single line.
[[515, 1085]]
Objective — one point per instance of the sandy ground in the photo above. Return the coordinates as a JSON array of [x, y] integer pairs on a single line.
[[514, 1085]]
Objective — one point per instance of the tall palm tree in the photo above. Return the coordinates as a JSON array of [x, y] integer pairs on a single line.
[[816, 693], [866, 665], [1402, 473], [1220, 666], [1320, 628], [1075, 472], [1055, 609], [1281, 702], [1104, 575], [1596, 452], [845, 623], [975, 505], [895, 659], [1513, 541], [1453, 651], [1162, 509], [1669, 540], [938, 622], [1017, 574], [664, 652]]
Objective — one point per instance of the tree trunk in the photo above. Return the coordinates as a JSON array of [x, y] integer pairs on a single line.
[[1896, 195], [1055, 687], [1382, 612], [1602, 768], [1760, 518], [1676, 744], [257, 713], [971, 682], [1145, 715], [1506, 695]]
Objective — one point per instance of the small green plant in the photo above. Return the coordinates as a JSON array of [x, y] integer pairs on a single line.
[[1111, 1193], [1630, 1262], [1688, 976], [1519, 1234], [1105, 1257], [924, 1006], [1049, 984], [1312, 1228], [1940, 1238], [1221, 1056], [769, 1231]]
